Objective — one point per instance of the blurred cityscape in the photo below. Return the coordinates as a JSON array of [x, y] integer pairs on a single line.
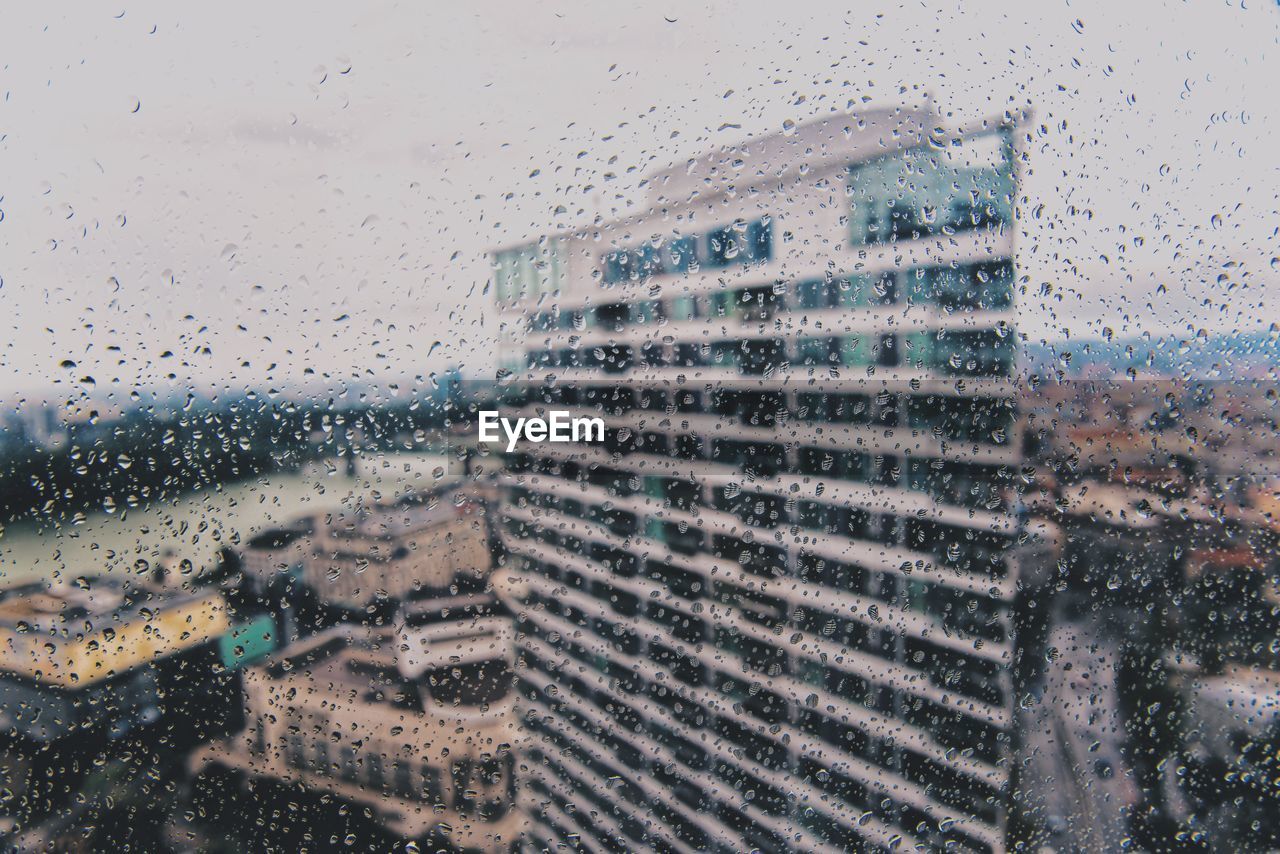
[[854, 567]]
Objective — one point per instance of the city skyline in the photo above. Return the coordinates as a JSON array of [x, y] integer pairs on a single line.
[[276, 237]]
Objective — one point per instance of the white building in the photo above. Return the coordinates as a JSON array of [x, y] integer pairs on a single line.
[[769, 611], [429, 755]]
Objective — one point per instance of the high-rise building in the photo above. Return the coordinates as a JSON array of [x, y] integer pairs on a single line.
[[770, 610]]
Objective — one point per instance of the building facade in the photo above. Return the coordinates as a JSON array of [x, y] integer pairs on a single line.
[[389, 551], [770, 610], [375, 555], [95, 675], [431, 757]]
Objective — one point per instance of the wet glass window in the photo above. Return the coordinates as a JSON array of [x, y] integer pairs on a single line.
[[499, 428]]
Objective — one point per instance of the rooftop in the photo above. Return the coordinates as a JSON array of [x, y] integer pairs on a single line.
[[392, 521], [38, 607], [363, 663], [837, 139], [1127, 506], [274, 539], [74, 634]]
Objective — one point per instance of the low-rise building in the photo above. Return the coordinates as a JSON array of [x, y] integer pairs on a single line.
[[92, 671], [82, 655], [386, 552], [1225, 777], [275, 554], [271, 578], [430, 756]]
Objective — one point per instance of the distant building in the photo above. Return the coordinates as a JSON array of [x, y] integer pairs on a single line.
[[271, 566], [318, 571], [386, 552], [274, 554], [1148, 706], [1122, 542], [1225, 778]]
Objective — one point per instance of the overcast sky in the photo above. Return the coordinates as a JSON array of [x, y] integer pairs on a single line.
[[267, 189]]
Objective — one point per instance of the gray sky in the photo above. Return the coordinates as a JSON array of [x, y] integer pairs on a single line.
[[265, 189]]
